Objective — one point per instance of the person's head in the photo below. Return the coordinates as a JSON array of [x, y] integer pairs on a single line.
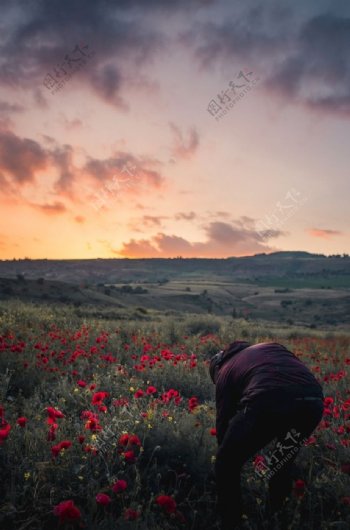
[[223, 355]]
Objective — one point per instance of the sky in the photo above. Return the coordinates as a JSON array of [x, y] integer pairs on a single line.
[[166, 128]]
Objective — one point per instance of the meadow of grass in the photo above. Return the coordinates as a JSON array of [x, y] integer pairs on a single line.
[[111, 424]]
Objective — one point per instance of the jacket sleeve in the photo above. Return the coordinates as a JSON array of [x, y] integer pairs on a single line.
[[226, 407]]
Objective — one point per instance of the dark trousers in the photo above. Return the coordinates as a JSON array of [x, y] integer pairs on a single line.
[[287, 419]]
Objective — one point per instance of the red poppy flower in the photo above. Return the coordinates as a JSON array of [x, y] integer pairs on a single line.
[[56, 449], [129, 456], [103, 498], [134, 440], [93, 425], [328, 401], [311, 440], [192, 403], [123, 439], [167, 503], [53, 414], [259, 461], [22, 421], [67, 511], [299, 488], [129, 439], [65, 444], [119, 486], [98, 397]]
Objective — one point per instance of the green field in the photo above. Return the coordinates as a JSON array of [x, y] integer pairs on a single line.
[[153, 376]]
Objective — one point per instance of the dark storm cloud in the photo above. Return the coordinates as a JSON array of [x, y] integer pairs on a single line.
[[107, 82], [42, 33], [38, 34], [322, 57], [301, 52]]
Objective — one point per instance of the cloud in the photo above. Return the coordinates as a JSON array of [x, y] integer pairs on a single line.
[[138, 224], [10, 108], [301, 55], [245, 34], [79, 219], [323, 232], [137, 249], [62, 157], [184, 149], [20, 158], [107, 82], [39, 99], [38, 35], [153, 220], [51, 209], [187, 216], [222, 240], [71, 125], [124, 171], [318, 72]]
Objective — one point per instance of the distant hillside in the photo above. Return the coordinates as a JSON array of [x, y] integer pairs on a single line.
[[251, 268], [291, 287]]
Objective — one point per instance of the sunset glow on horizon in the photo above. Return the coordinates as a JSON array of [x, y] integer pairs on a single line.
[[132, 157]]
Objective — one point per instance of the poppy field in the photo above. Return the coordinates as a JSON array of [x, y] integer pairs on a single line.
[[111, 425]]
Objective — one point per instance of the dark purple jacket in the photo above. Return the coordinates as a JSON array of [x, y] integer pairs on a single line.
[[254, 373]]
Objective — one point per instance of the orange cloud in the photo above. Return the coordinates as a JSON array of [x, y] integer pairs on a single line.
[[323, 233], [222, 240], [79, 219]]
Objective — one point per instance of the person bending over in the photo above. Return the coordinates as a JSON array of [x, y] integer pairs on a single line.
[[263, 392]]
